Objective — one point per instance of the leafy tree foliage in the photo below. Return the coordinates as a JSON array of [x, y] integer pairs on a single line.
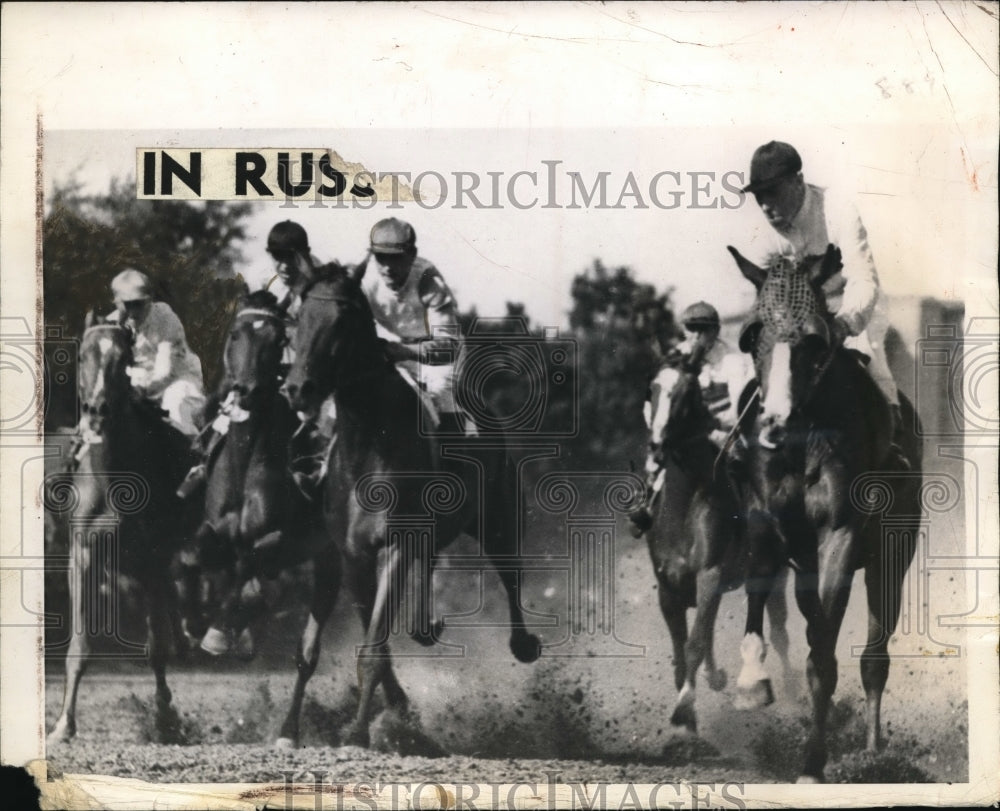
[[190, 251], [620, 329]]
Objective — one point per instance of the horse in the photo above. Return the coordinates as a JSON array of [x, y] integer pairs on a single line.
[[696, 540], [126, 516], [256, 521], [381, 461], [820, 428]]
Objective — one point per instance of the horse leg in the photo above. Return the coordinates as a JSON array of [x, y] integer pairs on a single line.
[[500, 544], [674, 608], [777, 616], [753, 685], [822, 598], [525, 646], [425, 629], [709, 584], [378, 595], [224, 534], [884, 587], [157, 644], [326, 585], [192, 625], [699, 644], [79, 641]]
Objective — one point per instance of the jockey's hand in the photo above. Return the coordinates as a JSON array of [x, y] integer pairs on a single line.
[[840, 331], [396, 351], [719, 437], [140, 377], [657, 453]]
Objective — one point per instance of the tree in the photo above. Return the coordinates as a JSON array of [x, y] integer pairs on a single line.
[[622, 328], [190, 251]]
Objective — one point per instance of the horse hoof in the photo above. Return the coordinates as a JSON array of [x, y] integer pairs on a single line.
[[717, 679], [526, 648], [357, 735], [284, 743], [808, 780], [757, 695], [217, 642], [430, 637], [245, 648], [684, 716], [59, 735]]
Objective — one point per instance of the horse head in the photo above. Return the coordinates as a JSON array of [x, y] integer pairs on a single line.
[[335, 341], [788, 334], [103, 381], [255, 345], [687, 415]]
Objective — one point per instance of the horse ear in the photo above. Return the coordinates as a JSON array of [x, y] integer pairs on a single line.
[[832, 263], [748, 336], [750, 271], [88, 320], [816, 328], [357, 272]]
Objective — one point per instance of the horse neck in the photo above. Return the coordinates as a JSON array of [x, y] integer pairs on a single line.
[[378, 418], [694, 459], [840, 384]]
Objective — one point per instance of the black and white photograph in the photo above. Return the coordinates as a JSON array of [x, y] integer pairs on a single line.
[[500, 405]]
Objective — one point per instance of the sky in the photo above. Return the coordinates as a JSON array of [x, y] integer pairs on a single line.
[[507, 253], [893, 103]]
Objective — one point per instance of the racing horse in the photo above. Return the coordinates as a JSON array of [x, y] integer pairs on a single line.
[[381, 462], [126, 517], [696, 540], [819, 431], [256, 521]]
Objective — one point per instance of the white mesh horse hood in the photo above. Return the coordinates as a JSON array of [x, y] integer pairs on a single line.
[[789, 300]]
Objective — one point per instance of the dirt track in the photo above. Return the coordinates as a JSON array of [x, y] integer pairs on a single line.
[[482, 717]]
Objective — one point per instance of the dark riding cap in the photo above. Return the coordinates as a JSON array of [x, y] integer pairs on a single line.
[[771, 164], [700, 315], [393, 236], [287, 237]]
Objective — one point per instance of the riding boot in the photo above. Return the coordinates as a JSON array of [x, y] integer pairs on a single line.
[[73, 455], [309, 468], [196, 476], [641, 519], [897, 456]]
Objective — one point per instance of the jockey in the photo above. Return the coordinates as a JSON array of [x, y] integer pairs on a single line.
[[296, 269], [804, 219], [724, 373], [165, 369], [416, 315]]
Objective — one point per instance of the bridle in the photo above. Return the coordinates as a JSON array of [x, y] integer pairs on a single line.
[[344, 302]]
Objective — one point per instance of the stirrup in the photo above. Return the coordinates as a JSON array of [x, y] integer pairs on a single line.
[[308, 484], [640, 521], [897, 456], [192, 482]]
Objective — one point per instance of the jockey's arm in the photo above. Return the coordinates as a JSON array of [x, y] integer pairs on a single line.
[[442, 339], [163, 364], [861, 283]]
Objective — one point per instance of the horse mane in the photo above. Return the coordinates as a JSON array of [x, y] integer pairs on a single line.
[[262, 299]]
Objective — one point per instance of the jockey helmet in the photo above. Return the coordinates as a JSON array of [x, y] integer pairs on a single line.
[[772, 163], [393, 236], [131, 285], [700, 316], [285, 238]]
